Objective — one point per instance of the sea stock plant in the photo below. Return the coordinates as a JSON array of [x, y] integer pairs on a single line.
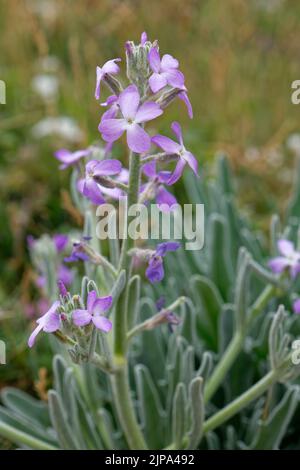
[[205, 358]]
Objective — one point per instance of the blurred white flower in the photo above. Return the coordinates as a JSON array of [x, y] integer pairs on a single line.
[[293, 144], [62, 126], [46, 86]]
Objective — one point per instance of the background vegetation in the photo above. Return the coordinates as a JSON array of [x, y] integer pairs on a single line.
[[239, 58]]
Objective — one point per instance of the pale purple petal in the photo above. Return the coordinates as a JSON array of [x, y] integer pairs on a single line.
[[177, 172], [157, 81], [278, 265], [111, 113], [137, 139], [176, 128], [53, 323], [99, 76], [184, 97], [168, 62], [69, 158], [110, 100], [192, 161], [149, 169], [129, 101], [155, 270], [167, 144], [164, 176], [81, 317], [295, 270], [285, 247], [165, 200], [296, 306], [102, 304], [92, 191], [175, 78], [33, 335], [163, 248], [154, 60], [102, 323], [107, 167], [144, 38], [80, 185], [148, 111], [43, 319], [91, 298], [111, 67], [112, 129]]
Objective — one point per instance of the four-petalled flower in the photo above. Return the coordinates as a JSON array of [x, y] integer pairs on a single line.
[[173, 148], [95, 168], [289, 259], [133, 115], [155, 270], [165, 71], [94, 312]]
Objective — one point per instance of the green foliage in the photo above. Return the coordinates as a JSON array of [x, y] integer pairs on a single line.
[[181, 381]]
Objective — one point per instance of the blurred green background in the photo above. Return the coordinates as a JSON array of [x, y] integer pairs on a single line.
[[239, 57]]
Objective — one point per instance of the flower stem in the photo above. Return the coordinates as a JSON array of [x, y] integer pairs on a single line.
[[119, 380], [224, 365], [125, 410], [155, 320], [236, 344], [239, 403]]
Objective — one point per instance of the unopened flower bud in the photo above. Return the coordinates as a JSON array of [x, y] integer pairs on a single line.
[[62, 289]]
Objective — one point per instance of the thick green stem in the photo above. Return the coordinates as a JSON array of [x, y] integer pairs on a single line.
[[241, 402], [236, 344], [126, 413], [119, 380], [20, 437], [133, 194], [224, 365]]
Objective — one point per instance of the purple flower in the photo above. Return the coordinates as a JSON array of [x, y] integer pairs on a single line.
[[110, 67], [164, 199], [49, 323], [60, 241], [173, 148], [133, 114], [165, 71], [77, 254], [70, 158], [296, 306], [289, 259], [155, 271], [95, 307], [95, 168]]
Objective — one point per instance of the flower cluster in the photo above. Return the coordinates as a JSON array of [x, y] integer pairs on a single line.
[[53, 319], [155, 81]]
